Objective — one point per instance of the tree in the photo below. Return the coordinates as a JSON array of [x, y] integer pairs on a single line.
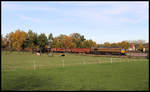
[[50, 37], [119, 44], [42, 41], [9, 38], [85, 44], [31, 40], [88, 44], [61, 40], [106, 44], [125, 44], [3, 42], [73, 45], [77, 39], [67, 41], [114, 45], [92, 43], [140, 47], [15, 40], [55, 43]]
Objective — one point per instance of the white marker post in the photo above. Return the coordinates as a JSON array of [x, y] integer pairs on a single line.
[[63, 63], [111, 60], [34, 64]]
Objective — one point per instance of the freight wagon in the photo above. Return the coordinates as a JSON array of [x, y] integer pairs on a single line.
[[80, 50]]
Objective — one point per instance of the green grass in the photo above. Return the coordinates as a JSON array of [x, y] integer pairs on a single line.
[[18, 73]]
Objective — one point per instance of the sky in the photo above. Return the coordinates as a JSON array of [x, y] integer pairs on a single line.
[[99, 21]]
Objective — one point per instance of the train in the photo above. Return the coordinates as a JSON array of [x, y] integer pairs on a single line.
[[102, 51]]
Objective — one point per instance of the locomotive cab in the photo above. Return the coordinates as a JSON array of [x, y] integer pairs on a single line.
[[123, 52]]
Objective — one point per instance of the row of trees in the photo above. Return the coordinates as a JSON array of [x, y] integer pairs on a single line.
[[123, 44], [139, 44], [19, 40]]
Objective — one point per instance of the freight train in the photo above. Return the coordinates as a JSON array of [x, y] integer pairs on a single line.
[[106, 51]]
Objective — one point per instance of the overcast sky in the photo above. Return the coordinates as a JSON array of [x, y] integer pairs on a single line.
[[99, 21]]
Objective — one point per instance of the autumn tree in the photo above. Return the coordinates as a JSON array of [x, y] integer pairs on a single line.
[[61, 40], [119, 44], [114, 45], [91, 43], [106, 44], [85, 44], [125, 44], [67, 41], [9, 38], [77, 39], [73, 45], [140, 46], [55, 43], [88, 44], [16, 39]]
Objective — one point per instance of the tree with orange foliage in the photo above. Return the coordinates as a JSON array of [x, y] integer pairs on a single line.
[[67, 41], [16, 39]]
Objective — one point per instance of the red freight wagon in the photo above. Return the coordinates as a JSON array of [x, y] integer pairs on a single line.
[[68, 50], [53, 49], [60, 49], [28, 49]]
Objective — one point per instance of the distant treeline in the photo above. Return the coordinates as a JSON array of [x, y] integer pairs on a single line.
[[20, 40]]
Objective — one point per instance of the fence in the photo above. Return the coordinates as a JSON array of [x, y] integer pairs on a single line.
[[36, 65]]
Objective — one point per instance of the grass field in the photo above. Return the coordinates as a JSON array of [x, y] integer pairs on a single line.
[[24, 71]]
